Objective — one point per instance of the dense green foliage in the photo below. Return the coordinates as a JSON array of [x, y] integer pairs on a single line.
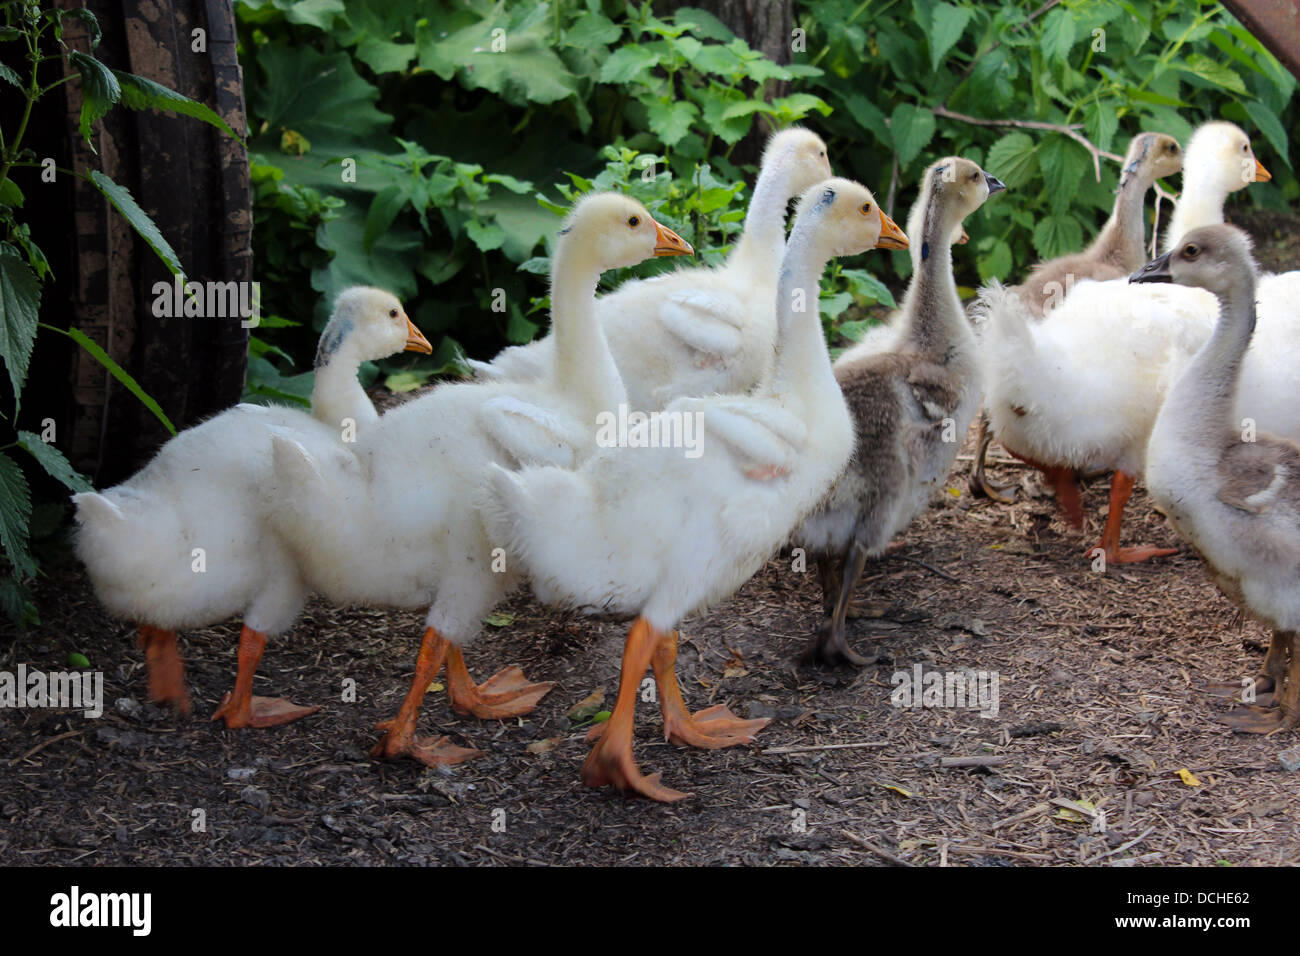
[[472, 123]]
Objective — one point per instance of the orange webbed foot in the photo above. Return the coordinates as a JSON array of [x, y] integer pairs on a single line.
[[615, 767], [1131, 555], [261, 712], [711, 728], [507, 693], [430, 751]]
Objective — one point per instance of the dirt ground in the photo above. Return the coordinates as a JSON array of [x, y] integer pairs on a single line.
[[1100, 704]]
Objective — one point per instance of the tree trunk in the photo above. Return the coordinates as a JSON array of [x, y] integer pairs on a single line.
[[766, 26], [192, 179]]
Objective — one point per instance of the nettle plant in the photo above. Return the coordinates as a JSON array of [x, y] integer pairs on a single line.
[[32, 48], [1043, 95], [460, 117]]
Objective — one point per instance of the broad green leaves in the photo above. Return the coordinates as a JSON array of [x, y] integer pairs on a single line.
[[320, 96], [52, 460], [15, 516], [912, 128], [1013, 159], [948, 23]]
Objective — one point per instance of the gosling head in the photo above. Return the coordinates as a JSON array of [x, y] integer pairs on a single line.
[[951, 189], [1220, 156], [1151, 156], [803, 154], [846, 218], [372, 323], [1215, 258], [618, 231]]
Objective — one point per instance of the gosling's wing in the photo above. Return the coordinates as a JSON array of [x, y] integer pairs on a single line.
[[1261, 476], [532, 434], [707, 320], [762, 436]]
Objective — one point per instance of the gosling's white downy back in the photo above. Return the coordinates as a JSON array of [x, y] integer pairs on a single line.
[[184, 543]]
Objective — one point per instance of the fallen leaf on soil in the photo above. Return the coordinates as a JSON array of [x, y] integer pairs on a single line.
[[588, 707], [544, 746], [1188, 778], [499, 619]]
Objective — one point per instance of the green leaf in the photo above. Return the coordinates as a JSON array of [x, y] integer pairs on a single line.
[[20, 302], [912, 128], [1064, 164], [384, 208], [316, 13], [948, 23], [99, 91], [122, 200], [15, 516], [384, 57], [1212, 71], [88, 18], [487, 236], [52, 460], [9, 76], [321, 97], [627, 62], [1270, 126], [831, 306], [10, 194], [672, 120], [863, 283], [140, 93], [519, 64], [1058, 34], [1057, 235], [499, 619], [117, 372], [76, 659], [1100, 122], [591, 30], [996, 263], [1011, 159], [867, 115]]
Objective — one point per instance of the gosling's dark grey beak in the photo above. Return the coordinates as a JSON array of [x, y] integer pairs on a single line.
[[1157, 270], [995, 185]]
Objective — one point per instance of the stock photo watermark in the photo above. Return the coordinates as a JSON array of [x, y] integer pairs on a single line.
[[950, 690], [56, 690]]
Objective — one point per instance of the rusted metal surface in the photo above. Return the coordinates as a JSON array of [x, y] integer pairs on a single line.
[[1274, 23]]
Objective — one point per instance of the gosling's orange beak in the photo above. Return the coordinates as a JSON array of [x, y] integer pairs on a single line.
[[668, 243], [891, 237], [964, 237], [1262, 175], [415, 340]]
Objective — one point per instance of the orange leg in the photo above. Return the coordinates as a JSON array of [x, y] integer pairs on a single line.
[[166, 669], [711, 728], [1121, 488], [399, 739], [239, 707], [610, 762], [505, 694], [1068, 497]]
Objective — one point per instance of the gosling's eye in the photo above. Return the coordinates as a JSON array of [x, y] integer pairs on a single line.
[[866, 208], [1191, 250], [392, 313], [634, 221], [1245, 147], [974, 177]]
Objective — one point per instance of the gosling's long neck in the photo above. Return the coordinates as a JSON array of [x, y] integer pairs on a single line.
[[584, 367], [1200, 204], [1122, 240], [1203, 399], [336, 395], [762, 243], [802, 363], [933, 308]]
